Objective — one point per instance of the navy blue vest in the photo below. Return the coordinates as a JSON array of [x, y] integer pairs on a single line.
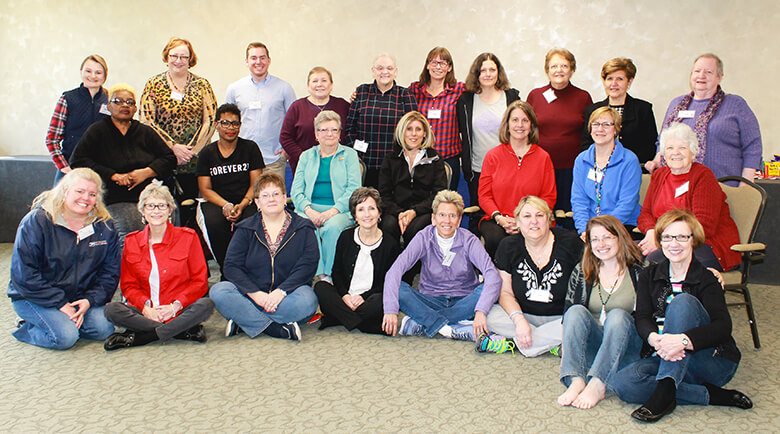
[[83, 111]]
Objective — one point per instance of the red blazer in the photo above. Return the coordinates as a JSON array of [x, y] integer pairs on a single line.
[[707, 202], [182, 267], [503, 182]]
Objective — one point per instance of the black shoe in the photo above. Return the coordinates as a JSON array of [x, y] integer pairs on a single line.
[[735, 398], [643, 414], [196, 334], [289, 331], [119, 340], [232, 329]]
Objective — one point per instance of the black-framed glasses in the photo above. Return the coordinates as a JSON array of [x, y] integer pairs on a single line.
[[120, 101], [678, 238], [601, 124], [229, 124], [154, 206]]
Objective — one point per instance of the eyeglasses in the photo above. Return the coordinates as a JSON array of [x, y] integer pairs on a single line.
[[269, 196], [385, 68], [601, 124], [178, 57], [154, 206], [439, 63], [120, 101], [679, 238], [229, 124], [604, 239], [329, 130]]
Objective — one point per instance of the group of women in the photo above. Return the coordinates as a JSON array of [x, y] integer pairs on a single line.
[[520, 159]]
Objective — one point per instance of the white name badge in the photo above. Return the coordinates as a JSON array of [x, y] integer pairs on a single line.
[[255, 105], [595, 176], [448, 258], [686, 114], [178, 96], [104, 110], [360, 145], [549, 95], [85, 232], [539, 296], [434, 114], [681, 189]]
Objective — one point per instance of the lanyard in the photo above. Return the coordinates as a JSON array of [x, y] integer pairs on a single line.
[[600, 181]]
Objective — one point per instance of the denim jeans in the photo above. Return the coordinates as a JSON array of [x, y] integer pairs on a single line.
[[48, 327], [590, 350], [232, 304], [433, 313], [636, 382]]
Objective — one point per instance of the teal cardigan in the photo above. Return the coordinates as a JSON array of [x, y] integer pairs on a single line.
[[344, 177]]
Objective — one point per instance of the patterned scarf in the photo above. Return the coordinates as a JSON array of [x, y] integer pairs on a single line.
[[701, 122]]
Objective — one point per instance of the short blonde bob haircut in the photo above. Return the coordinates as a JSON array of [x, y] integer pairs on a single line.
[[53, 201], [680, 215], [175, 42], [121, 87], [537, 203], [606, 110], [403, 124], [448, 196]]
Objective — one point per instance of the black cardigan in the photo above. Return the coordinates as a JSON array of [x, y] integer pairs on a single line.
[[638, 132], [464, 108], [402, 190], [655, 286], [346, 256]]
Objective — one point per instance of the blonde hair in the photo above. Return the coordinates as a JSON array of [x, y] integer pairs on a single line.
[[448, 196], [680, 215], [537, 203], [156, 190], [317, 69], [121, 87], [53, 201], [606, 110], [404, 123], [97, 59]]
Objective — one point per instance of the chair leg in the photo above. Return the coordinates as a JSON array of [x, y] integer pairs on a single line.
[[751, 317]]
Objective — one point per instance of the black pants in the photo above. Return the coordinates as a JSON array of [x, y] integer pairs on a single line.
[[367, 317], [493, 233], [125, 315], [391, 230], [474, 200], [371, 178], [188, 182], [219, 229]]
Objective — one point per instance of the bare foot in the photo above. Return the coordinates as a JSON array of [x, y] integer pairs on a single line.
[[577, 384], [594, 392]]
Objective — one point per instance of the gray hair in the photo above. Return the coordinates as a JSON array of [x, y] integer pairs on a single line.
[[156, 190], [325, 116], [682, 132], [717, 60], [388, 55]]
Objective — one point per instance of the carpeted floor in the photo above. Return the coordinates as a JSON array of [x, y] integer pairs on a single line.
[[336, 381]]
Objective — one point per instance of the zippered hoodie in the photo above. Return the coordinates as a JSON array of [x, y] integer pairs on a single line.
[[50, 266], [249, 265]]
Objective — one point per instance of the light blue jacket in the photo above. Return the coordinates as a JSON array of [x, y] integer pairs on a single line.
[[619, 192], [344, 178]]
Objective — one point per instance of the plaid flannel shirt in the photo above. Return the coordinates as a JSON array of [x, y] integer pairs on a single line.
[[56, 133], [445, 128]]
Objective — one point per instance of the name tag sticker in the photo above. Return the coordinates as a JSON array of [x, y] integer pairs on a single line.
[[178, 96], [681, 189], [549, 95], [595, 176], [85, 232], [448, 258], [255, 105], [539, 296], [686, 114], [434, 114], [104, 110], [360, 145]]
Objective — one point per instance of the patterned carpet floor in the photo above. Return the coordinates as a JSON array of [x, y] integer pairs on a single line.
[[338, 381]]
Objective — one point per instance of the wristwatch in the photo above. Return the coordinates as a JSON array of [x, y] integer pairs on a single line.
[[685, 341]]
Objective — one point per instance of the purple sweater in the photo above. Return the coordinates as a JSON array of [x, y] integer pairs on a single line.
[[437, 280], [733, 136]]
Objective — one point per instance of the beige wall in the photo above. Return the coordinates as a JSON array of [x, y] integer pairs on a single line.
[[43, 43]]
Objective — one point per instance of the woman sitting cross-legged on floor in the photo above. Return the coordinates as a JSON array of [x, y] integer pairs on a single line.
[[363, 256], [599, 336], [269, 266], [681, 313], [163, 279], [65, 264], [449, 291]]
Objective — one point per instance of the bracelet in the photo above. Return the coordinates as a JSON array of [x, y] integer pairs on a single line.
[[515, 313], [223, 206]]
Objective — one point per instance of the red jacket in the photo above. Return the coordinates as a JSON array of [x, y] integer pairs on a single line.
[[707, 202], [182, 267], [503, 182]]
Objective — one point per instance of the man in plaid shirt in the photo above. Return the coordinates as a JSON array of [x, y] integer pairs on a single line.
[[374, 114]]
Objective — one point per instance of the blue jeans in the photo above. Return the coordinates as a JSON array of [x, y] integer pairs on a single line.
[[253, 319], [590, 350], [636, 382], [433, 313], [48, 327]]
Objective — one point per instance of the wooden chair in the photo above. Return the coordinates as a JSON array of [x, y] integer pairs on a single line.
[[746, 205]]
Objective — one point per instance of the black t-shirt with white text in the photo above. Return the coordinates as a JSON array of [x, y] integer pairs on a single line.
[[230, 175]]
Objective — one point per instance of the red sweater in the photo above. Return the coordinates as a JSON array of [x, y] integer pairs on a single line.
[[180, 262], [561, 122], [705, 200], [504, 182]]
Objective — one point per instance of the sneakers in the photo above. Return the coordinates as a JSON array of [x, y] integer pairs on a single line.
[[316, 317], [409, 327], [293, 331], [289, 331], [232, 329], [19, 322], [465, 333], [556, 351], [493, 343]]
